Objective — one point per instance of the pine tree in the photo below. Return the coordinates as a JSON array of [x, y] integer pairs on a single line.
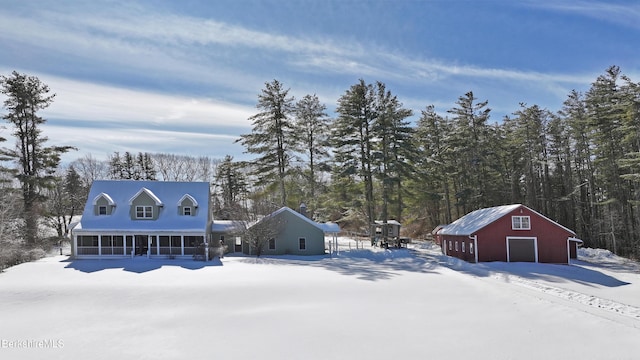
[[471, 143], [312, 125], [232, 184], [353, 139], [273, 137], [393, 150], [36, 163], [432, 194], [605, 114]]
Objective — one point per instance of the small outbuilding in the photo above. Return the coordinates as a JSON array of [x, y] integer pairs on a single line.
[[510, 233], [293, 234]]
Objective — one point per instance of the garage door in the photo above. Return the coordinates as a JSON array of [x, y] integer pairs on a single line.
[[521, 249]]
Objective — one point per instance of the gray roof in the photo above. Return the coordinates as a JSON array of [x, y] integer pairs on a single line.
[[476, 220], [325, 227], [165, 193]]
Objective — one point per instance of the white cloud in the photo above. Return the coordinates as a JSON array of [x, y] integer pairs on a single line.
[[102, 142], [194, 48], [627, 14], [90, 102]]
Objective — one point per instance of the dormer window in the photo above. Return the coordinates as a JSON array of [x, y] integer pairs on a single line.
[[144, 212], [103, 204], [187, 205]]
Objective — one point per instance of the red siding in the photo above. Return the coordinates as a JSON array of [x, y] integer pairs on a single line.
[[492, 243], [466, 255]]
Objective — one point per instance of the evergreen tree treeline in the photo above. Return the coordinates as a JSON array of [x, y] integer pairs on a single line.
[[579, 166]]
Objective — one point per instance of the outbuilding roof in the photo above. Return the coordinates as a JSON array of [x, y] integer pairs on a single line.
[[478, 219], [325, 227]]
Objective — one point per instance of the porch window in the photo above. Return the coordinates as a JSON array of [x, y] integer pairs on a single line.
[[272, 244], [450, 244], [144, 212], [302, 244], [463, 246], [471, 248], [456, 246], [520, 223]]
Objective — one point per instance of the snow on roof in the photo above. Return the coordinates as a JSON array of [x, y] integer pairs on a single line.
[[148, 192], [476, 220], [325, 227], [169, 219], [226, 225], [103, 196], [390, 222], [187, 196]]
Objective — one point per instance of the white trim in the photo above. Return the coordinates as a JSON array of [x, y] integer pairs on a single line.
[[535, 244], [106, 197], [475, 247], [520, 218], [188, 196], [144, 211], [150, 193]]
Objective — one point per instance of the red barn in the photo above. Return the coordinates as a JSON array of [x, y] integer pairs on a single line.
[[508, 233]]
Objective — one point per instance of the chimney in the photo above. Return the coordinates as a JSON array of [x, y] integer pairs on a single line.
[[303, 209]]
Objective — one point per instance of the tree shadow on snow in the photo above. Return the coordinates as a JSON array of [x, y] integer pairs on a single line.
[[364, 264], [137, 265], [552, 273]]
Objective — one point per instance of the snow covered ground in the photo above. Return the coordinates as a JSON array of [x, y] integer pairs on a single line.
[[361, 304]]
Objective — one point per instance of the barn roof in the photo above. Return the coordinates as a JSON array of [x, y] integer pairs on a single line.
[[476, 220]]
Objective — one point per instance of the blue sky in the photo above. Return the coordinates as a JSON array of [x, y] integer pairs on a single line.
[[183, 76]]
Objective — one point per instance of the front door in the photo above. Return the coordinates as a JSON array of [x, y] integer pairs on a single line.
[[238, 244], [141, 244]]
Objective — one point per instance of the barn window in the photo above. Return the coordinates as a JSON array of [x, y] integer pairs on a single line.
[[456, 246], [102, 210], [463, 246], [186, 211], [272, 244], [302, 243], [520, 223]]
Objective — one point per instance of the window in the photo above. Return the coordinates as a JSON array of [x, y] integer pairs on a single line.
[[272, 244], [463, 246], [238, 241], [520, 223], [471, 249], [102, 210], [302, 243], [450, 244], [144, 212], [186, 211], [456, 246]]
